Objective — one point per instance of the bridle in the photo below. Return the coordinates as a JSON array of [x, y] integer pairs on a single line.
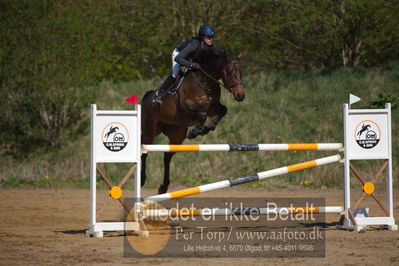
[[235, 73]]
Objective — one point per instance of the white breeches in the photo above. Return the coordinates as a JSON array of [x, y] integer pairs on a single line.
[[175, 65]]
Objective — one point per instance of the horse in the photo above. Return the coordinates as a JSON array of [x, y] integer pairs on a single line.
[[363, 129], [198, 97], [111, 131]]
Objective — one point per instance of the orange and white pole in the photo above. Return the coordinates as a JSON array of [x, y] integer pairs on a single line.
[[245, 179], [243, 147]]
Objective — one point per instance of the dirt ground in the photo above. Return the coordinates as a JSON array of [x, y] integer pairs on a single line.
[[47, 226]]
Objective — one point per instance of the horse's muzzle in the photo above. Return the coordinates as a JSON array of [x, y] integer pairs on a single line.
[[239, 93], [239, 97]]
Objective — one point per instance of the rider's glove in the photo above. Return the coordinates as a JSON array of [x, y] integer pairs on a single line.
[[194, 66]]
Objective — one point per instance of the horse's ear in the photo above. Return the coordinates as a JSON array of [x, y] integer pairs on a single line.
[[219, 51], [240, 56]]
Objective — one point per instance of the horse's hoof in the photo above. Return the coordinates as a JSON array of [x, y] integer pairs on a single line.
[[191, 135], [211, 127], [195, 132], [162, 189], [205, 131]]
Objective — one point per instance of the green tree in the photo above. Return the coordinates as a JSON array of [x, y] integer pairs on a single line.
[[54, 52], [48, 63], [320, 33]]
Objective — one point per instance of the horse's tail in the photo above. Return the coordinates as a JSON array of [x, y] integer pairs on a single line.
[[146, 95]]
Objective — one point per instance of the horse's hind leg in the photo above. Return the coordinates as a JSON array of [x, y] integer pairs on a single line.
[[149, 132], [143, 168], [147, 139], [176, 135]]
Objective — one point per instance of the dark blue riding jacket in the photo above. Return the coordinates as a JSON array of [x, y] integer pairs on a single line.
[[187, 50]]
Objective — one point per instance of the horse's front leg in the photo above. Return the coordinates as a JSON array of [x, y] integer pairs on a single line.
[[220, 111], [163, 188], [198, 129]]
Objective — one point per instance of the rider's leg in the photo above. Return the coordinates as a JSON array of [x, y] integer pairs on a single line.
[[161, 92], [163, 89]]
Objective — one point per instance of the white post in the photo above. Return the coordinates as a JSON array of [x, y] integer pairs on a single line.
[[347, 173], [137, 188], [389, 174], [93, 174]]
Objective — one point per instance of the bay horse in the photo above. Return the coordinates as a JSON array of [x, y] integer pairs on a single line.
[[198, 97]]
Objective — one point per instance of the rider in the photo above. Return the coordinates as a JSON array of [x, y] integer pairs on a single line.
[[181, 56]]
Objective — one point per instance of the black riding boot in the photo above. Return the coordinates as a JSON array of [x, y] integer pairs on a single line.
[[161, 91]]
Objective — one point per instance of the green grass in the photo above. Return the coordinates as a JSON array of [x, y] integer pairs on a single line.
[[280, 107], [45, 182]]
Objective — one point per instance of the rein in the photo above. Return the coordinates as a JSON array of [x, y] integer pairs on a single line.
[[228, 87]]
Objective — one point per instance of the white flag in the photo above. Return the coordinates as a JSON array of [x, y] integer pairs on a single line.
[[353, 99]]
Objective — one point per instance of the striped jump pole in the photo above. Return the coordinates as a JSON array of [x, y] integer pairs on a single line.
[[244, 211], [244, 179], [243, 147]]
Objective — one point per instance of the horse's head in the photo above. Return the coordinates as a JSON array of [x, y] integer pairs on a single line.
[[232, 77], [221, 63]]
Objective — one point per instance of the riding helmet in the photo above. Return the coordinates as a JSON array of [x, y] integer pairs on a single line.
[[206, 29]]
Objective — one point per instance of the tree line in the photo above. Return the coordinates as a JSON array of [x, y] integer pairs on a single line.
[[54, 52]]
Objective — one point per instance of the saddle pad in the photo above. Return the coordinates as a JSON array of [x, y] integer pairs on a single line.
[[180, 78]]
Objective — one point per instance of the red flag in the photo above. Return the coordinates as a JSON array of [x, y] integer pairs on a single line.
[[133, 99]]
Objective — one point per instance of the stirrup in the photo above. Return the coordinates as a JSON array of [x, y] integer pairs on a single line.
[[157, 101]]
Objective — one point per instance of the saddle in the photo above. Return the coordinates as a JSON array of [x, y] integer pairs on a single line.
[[179, 80]]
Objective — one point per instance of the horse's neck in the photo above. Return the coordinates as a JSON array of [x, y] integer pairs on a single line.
[[202, 81], [215, 69]]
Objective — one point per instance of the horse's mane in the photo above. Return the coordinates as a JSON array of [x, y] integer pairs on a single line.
[[230, 56], [146, 95], [210, 55]]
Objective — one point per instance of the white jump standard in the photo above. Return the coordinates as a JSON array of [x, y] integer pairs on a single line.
[[367, 136], [114, 139]]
